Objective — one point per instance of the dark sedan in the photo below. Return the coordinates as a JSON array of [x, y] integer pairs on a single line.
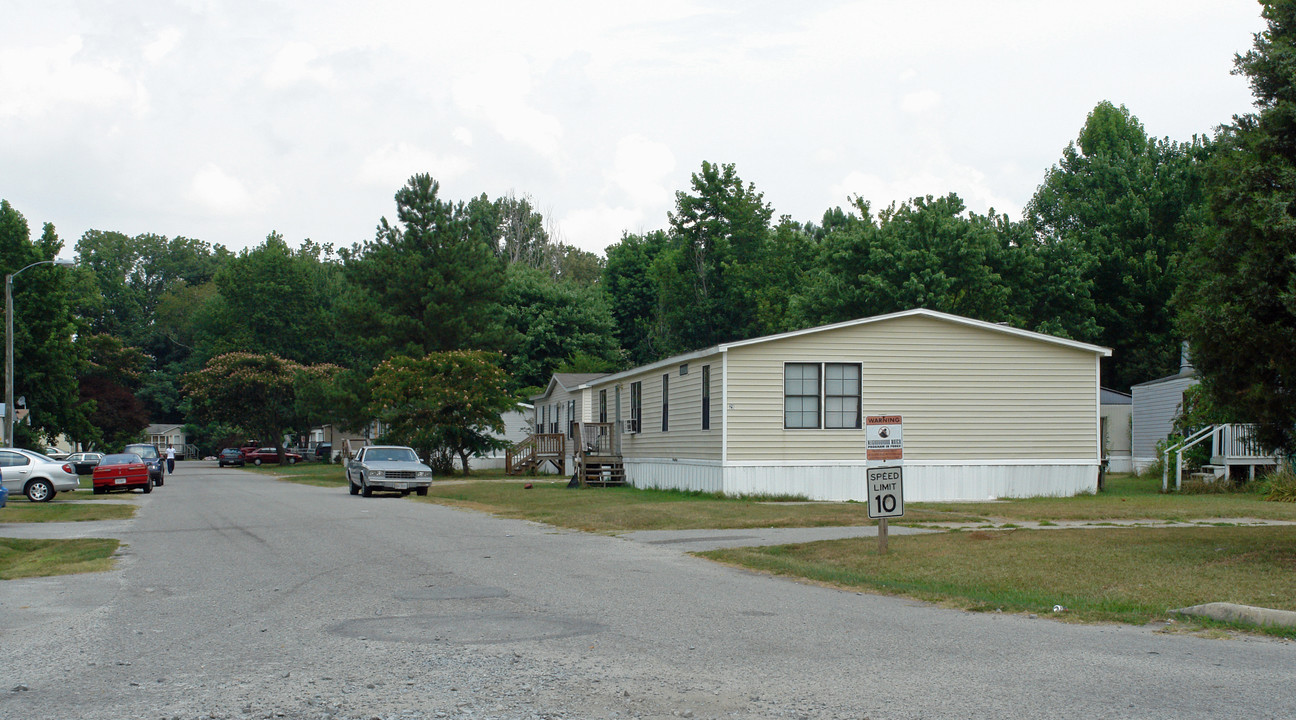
[[232, 457], [270, 455], [152, 458]]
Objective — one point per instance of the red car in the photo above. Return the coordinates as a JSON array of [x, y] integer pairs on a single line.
[[270, 455], [122, 471]]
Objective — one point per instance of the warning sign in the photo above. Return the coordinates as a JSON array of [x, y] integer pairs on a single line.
[[885, 437]]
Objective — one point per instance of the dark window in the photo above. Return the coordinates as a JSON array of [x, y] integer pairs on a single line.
[[602, 406], [706, 397], [665, 402], [636, 405], [571, 418], [801, 395], [684, 369]]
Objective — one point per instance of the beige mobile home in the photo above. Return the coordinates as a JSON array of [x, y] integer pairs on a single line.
[[989, 411]]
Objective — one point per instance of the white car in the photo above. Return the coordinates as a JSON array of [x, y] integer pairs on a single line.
[[387, 467], [37, 476]]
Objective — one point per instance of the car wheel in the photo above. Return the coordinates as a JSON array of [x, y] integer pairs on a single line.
[[256, 461], [98, 491], [365, 490], [148, 488], [292, 460], [40, 491], [355, 489], [421, 492], [160, 481]]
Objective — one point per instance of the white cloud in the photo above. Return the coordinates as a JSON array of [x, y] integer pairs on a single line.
[[392, 164], [462, 135], [497, 91], [942, 177], [641, 168], [37, 80], [921, 102], [219, 192], [595, 228], [295, 64], [166, 41]]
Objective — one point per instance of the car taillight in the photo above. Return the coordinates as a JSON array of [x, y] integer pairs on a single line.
[[68, 469]]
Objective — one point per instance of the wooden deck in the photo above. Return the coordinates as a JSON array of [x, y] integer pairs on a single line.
[[594, 452]]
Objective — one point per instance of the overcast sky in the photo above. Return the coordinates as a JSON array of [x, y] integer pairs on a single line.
[[224, 121]]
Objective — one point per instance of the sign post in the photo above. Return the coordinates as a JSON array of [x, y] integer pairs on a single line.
[[885, 440]]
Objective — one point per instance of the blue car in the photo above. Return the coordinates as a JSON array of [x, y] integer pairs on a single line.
[[152, 458], [4, 495]]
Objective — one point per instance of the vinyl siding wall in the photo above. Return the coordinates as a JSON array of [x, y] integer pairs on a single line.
[[684, 438], [1154, 407], [965, 394]]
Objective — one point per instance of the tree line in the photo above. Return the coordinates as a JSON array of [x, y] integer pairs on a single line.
[[457, 308]]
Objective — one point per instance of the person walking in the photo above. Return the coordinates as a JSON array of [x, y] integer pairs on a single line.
[[170, 459]]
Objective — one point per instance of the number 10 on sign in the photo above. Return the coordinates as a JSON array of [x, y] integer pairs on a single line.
[[886, 493]]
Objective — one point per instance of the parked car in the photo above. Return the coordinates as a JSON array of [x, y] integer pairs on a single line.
[[230, 456], [38, 477], [324, 452], [56, 454], [153, 458], [387, 467], [84, 462], [270, 455], [121, 471]]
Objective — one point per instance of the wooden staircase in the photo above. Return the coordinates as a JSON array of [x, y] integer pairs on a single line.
[[596, 458], [597, 461], [528, 455]]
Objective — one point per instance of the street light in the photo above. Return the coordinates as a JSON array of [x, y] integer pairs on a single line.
[[9, 371]]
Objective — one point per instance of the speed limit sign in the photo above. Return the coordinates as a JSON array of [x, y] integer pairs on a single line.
[[886, 492]]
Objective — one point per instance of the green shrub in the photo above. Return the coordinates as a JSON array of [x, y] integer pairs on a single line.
[[1279, 485]]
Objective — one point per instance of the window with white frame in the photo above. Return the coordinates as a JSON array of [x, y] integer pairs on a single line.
[[636, 406], [801, 395], [822, 395]]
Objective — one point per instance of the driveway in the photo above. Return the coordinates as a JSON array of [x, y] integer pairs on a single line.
[[241, 597]]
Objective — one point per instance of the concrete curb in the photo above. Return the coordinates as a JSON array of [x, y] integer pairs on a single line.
[[1232, 612]]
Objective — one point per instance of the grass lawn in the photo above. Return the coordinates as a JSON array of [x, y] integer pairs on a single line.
[[1114, 575], [20, 510], [42, 558], [1126, 498], [321, 474]]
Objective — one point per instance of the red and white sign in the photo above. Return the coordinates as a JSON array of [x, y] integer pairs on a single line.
[[884, 436]]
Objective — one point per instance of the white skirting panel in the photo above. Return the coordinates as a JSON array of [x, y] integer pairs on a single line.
[[673, 475], [921, 483], [1120, 463]]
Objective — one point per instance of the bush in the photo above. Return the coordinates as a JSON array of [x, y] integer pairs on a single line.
[[1279, 485]]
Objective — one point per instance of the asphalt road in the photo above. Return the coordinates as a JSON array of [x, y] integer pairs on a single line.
[[241, 597]]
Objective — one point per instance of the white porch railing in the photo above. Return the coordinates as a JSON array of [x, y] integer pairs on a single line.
[[1231, 444]]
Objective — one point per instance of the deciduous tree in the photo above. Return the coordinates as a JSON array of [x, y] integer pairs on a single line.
[[446, 403], [1237, 305]]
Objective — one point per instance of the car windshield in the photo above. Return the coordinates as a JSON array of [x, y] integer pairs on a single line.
[[121, 459], [229, 451], [144, 451], [391, 455]]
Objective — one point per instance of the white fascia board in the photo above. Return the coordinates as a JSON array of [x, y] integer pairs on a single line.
[[956, 319]]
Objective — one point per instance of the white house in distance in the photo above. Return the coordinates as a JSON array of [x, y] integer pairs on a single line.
[[1155, 405], [1117, 428], [989, 411]]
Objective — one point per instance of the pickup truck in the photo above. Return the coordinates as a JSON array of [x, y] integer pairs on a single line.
[[387, 467]]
